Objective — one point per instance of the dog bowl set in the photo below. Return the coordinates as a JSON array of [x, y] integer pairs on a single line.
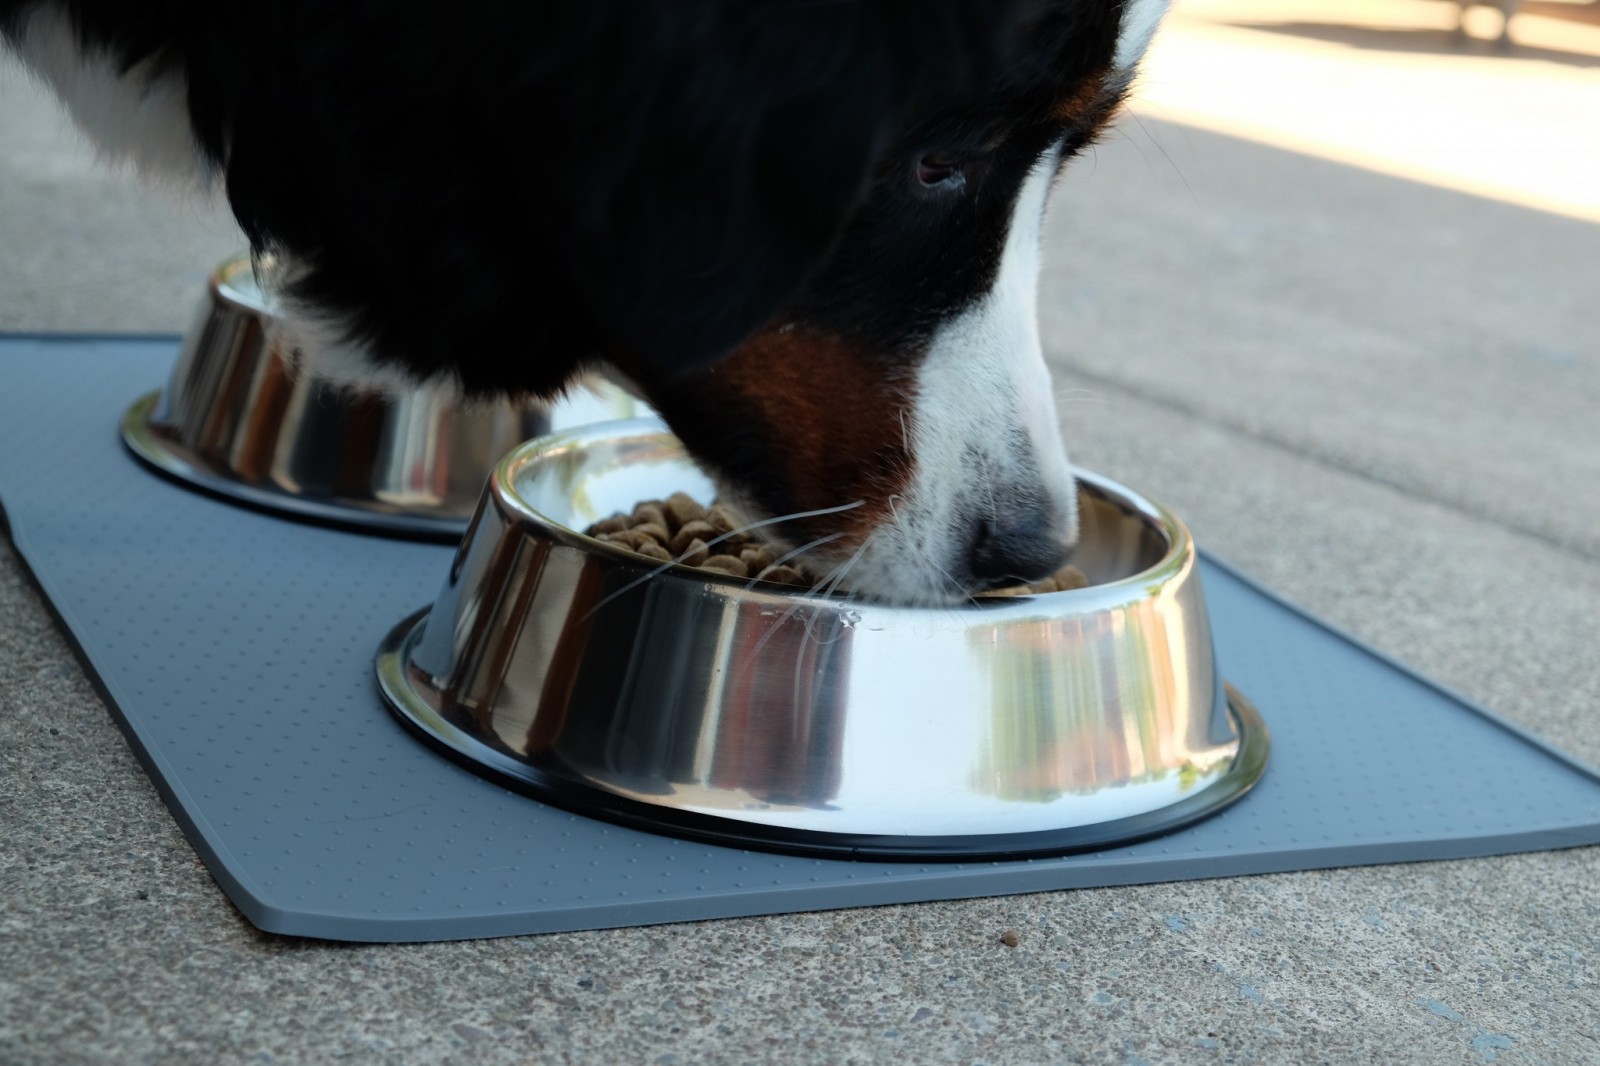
[[710, 707]]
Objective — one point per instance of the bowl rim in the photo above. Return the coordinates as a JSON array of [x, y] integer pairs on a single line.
[[225, 290], [501, 488]]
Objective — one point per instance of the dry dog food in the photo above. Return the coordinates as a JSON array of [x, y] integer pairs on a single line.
[[1066, 579], [679, 529]]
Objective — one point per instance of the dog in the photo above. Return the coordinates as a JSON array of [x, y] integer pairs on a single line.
[[807, 232]]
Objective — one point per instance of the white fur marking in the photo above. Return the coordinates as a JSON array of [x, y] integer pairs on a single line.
[[319, 339], [1139, 21], [984, 426], [140, 116]]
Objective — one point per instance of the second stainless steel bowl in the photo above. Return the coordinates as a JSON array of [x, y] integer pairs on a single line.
[[242, 419], [745, 714]]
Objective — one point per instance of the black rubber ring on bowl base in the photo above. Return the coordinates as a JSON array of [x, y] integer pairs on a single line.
[[1249, 763]]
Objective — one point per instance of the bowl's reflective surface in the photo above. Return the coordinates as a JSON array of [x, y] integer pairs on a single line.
[[240, 418], [733, 711]]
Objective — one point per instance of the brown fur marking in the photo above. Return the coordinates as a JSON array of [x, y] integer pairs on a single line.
[[1090, 103], [837, 413]]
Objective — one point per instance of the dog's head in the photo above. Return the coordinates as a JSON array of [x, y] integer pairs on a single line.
[[898, 405], [808, 232]]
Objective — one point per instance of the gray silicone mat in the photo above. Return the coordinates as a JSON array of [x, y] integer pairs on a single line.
[[235, 649]]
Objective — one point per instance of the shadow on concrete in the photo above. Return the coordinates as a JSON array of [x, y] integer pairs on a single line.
[[1424, 41]]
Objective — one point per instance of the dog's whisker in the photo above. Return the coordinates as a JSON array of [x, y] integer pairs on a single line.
[[927, 557], [636, 582], [1154, 140], [843, 569], [894, 512], [953, 583], [786, 556], [823, 586], [795, 516], [840, 572], [831, 578]]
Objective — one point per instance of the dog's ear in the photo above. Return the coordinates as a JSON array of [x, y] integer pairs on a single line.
[[702, 178]]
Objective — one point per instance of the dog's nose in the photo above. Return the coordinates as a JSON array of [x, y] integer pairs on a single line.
[[1016, 550]]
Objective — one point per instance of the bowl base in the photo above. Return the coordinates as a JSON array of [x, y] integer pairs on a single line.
[[146, 438], [407, 701]]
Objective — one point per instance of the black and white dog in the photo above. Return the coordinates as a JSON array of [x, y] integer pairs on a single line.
[[807, 231]]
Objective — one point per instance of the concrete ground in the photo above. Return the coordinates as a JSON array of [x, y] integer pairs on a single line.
[[1373, 386]]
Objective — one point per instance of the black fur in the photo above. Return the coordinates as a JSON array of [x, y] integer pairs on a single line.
[[476, 184], [506, 191]]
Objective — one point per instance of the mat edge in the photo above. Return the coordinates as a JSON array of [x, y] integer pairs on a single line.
[[974, 885], [1520, 732], [197, 833]]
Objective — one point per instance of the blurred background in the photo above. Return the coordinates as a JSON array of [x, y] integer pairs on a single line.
[[1365, 233], [1418, 89]]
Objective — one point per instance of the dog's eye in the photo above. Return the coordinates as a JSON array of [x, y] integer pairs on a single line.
[[941, 171]]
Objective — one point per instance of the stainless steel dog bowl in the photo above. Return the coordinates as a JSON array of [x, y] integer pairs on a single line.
[[745, 714], [240, 419]]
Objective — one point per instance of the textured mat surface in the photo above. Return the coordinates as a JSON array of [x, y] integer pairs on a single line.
[[235, 649]]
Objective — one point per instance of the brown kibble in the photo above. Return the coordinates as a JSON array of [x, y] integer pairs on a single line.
[[783, 575], [1010, 938], [626, 537], [1069, 577], [680, 529], [695, 553], [757, 557], [649, 511], [681, 509], [726, 564], [722, 518], [1066, 579], [655, 531], [651, 550], [692, 531]]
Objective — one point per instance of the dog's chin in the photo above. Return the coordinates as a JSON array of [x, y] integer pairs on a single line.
[[888, 564], [889, 582], [910, 575], [922, 591]]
